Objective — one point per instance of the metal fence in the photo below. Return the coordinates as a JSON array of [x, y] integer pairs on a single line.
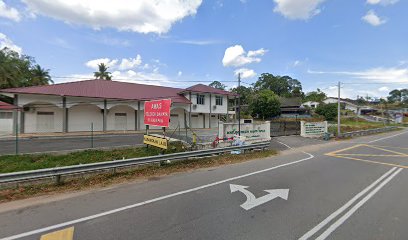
[[93, 138], [95, 167], [285, 128]]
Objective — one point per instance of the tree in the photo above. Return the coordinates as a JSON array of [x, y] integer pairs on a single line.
[[400, 96], [103, 72], [19, 70], [245, 94], [217, 85], [328, 111], [40, 76], [280, 85], [315, 96], [265, 104]]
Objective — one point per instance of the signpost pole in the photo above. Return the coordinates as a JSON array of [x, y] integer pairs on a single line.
[[164, 135], [147, 133]]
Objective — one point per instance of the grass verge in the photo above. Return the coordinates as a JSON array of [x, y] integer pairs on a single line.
[[16, 163], [149, 172]]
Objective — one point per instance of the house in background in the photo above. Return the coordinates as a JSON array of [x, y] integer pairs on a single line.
[[291, 107], [352, 105], [112, 106], [310, 104]]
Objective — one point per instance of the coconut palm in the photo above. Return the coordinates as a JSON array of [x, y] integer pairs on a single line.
[[40, 76], [103, 72]]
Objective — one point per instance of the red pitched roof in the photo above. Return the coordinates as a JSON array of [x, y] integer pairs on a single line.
[[6, 106], [201, 88], [105, 89]]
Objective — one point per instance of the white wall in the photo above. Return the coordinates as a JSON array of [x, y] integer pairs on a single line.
[[81, 116], [222, 109], [175, 121], [25, 99], [6, 125], [31, 117], [130, 116]]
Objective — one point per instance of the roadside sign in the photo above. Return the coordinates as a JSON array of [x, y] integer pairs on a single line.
[[157, 113], [155, 141]]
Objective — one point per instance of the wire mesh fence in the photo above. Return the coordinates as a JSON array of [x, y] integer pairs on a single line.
[[51, 139]]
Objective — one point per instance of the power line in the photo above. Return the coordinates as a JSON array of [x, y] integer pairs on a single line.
[[140, 80]]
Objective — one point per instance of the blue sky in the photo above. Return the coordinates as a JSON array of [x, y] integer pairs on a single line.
[[318, 42]]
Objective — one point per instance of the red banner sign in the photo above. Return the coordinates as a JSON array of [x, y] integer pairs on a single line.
[[157, 113]]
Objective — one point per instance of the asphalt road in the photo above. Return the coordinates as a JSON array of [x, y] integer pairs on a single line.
[[52, 144], [353, 189]]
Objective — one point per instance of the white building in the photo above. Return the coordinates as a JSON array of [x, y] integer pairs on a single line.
[[104, 105], [357, 109], [6, 118], [310, 104]]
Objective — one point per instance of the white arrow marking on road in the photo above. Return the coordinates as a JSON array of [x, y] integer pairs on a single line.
[[252, 201]]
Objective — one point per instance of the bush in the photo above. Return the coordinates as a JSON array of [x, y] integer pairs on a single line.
[[328, 111], [265, 104]]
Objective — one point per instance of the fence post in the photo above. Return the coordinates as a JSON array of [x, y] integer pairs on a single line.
[[92, 137], [17, 138]]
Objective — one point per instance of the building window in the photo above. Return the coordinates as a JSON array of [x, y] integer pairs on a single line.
[[194, 115], [218, 100], [6, 115], [121, 114], [200, 99]]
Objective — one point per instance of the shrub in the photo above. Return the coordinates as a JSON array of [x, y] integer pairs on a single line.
[[328, 111]]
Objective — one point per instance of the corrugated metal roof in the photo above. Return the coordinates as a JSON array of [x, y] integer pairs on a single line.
[[201, 88], [106, 89], [6, 106]]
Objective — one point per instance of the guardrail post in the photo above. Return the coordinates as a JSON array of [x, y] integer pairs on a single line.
[[58, 180]]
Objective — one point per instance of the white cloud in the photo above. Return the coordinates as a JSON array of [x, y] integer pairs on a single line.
[[129, 63], [298, 9], [382, 2], [129, 70], [9, 12], [380, 74], [107, 61], [236, 56], [259, 52], [114, 64], [245, 73], [372, 18], [297, 63], [179, 73], [384, 89], [6, 42], [144, 16]]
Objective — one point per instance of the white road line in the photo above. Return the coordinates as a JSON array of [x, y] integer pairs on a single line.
[[376, 140], [341, 220], [69, 223], [344, 207], [284, 144]]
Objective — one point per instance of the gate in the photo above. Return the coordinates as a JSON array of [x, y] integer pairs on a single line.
[[285, 128]]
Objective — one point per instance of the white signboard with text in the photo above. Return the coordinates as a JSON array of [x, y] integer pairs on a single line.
[[313, 129], [251, 131]]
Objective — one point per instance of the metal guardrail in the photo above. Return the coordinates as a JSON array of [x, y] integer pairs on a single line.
[[94, 167], [368, 131]]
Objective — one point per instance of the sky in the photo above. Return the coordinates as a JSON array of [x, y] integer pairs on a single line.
[[179, 43]]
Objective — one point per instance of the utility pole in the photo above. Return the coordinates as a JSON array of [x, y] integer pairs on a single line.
[[338, 111], [239, 106]]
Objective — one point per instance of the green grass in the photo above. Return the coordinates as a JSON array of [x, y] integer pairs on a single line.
[[12, 163], [150, 172], [356, 124]]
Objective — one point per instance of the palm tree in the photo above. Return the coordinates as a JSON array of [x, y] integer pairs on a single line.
[[103, 72], [40, 76]]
